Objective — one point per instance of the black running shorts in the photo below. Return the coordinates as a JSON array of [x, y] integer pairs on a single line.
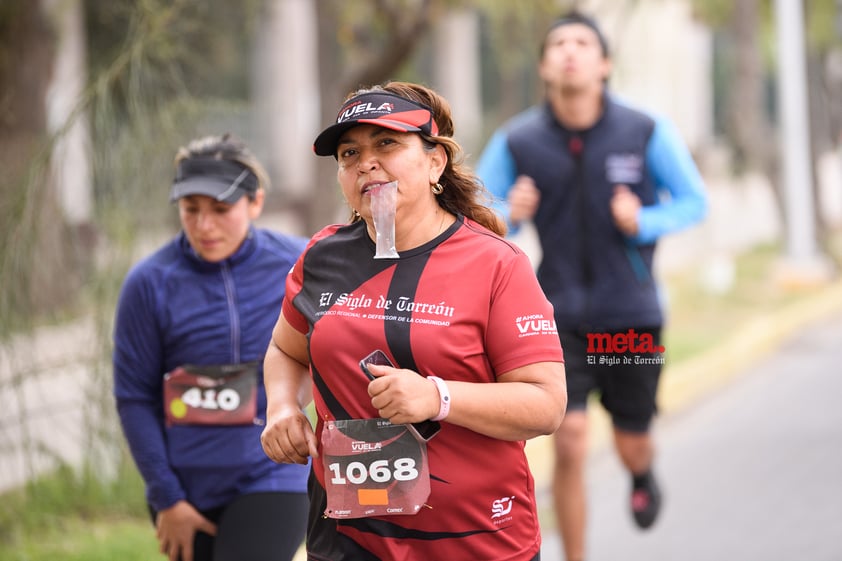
[[622, 366]]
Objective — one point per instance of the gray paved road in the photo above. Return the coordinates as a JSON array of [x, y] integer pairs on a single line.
[[751, 473]]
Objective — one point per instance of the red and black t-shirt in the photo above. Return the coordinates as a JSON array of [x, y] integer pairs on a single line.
[[465, 306]]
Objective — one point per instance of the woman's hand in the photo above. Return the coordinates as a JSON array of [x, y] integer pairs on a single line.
[[402, 396], [289, 437], [176, 530]]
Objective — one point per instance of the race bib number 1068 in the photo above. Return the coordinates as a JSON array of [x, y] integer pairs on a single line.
[[373, 468]]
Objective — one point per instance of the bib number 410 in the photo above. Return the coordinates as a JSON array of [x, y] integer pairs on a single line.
[[403, 469], [226, 399]]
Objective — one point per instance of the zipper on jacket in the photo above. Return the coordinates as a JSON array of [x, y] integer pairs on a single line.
[[233, 312], [576, 147]]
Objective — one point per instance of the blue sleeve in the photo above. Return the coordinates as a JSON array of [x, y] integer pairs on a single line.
[[675, 175], [496, 169], [138, 364]]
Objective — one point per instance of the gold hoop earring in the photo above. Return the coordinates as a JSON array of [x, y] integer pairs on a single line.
[[437, 189]]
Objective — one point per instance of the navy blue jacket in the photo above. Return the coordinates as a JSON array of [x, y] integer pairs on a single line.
[[174, 309], [596, 277]]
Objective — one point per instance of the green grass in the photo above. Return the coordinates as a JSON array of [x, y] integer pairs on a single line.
[[70, 516], [698, 320], [77, 539], [77, 517]]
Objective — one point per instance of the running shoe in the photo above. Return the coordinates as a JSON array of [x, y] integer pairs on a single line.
[[645, 500]]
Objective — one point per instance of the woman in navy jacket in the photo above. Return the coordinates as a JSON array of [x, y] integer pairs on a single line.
[[192, 325]]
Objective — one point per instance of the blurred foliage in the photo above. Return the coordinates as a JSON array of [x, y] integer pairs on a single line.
[[518, 23], [715, 13], [160, 72], [509, 75], [746, 83], [822, 19], [150, 90], [174, 47], [158, 68], [365, 42]]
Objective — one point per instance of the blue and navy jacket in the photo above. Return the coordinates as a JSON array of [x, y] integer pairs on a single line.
[[595, 277], [174, 309]]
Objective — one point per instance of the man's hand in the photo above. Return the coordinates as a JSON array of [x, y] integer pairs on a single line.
[[523, 199], [625, 206]]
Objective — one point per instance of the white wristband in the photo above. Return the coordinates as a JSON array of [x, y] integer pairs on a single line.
[[444, 398]]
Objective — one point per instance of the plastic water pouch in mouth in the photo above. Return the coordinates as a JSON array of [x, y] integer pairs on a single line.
[[384, 199]]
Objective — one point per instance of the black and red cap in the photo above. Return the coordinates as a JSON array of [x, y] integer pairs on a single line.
[[379, 108]]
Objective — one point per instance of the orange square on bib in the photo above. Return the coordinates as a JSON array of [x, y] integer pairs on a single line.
[[373, 496]]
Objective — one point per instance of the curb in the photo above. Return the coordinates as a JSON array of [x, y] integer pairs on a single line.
[[689, 381]]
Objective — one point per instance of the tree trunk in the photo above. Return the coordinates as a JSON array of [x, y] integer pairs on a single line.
[[749, 125], [746, 99], [457, 75], [38, 263]]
